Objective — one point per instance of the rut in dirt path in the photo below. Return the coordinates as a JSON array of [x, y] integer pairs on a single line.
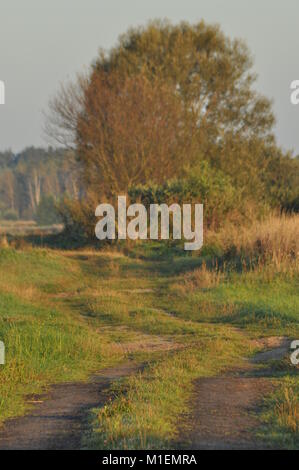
[[60, 421], [225, 409]]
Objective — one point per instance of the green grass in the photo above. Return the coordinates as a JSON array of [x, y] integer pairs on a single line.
[[66, 314], [41, 347], [244, 301], [281, 413], [46, 341], [146, 415]]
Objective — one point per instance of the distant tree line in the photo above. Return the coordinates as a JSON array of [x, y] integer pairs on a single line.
[[33, 181]]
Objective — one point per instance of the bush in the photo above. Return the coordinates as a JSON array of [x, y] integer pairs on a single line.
[[203, 184], [78, 218]]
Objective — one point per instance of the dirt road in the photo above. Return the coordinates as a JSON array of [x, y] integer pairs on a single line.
[[225, 409], [59, 421]]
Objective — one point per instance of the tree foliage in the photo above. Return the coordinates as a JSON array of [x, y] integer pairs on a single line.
[[202, 184]]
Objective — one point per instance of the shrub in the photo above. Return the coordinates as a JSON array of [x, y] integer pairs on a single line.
[[203, 184]]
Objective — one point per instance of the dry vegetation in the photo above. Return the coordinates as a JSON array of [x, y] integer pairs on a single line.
[[287, 410], [267, 247], [273, 240]]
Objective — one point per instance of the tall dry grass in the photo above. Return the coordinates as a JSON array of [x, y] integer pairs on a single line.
[[287, 410], [273, 241], [268, 246], [202, 277]]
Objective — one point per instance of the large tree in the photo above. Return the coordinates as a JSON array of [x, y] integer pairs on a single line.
[[169, 96], [127, 129], [133, 129]]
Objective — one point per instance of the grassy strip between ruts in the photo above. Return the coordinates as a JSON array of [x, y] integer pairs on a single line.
[[146, 408]]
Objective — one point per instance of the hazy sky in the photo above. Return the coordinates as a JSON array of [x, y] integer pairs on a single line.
[[43, 42]]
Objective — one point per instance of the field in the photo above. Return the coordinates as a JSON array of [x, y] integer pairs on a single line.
[[181, 318]]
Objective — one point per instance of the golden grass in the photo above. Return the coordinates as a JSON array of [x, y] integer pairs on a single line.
[[202, 278], [25, 292], [274, 240], [4, 242], [287, 411]]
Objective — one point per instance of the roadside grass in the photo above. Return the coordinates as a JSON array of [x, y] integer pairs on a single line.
[[42, 347], [244, 300], [46, 340], [281, 414]]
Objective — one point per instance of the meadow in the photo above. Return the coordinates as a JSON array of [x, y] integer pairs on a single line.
[[66, 314]]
